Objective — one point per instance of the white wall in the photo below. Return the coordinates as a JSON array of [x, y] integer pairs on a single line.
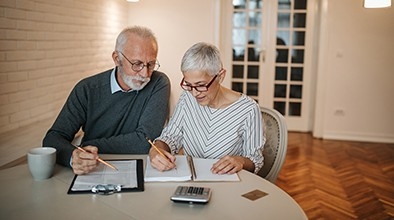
[[356, 73], [178, 24]]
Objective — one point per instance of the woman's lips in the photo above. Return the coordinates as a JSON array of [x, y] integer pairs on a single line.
[[200, 99]]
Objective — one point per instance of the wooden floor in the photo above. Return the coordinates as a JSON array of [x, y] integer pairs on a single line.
[[339, 179]]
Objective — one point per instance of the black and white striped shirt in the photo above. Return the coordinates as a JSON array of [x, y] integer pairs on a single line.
[[206, 132]]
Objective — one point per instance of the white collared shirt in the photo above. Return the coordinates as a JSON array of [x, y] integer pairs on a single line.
[[115, 87]]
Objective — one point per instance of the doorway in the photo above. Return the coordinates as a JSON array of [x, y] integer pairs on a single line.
[[271, 55]]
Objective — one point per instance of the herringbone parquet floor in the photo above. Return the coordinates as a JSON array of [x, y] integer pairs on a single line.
[[339, 179]]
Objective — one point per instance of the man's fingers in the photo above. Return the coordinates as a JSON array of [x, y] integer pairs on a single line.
[[83, 162]]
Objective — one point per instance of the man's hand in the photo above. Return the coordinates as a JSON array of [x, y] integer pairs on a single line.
[[84, 162]]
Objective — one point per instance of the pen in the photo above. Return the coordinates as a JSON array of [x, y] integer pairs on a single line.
[[191, 165], [99, 159], [157, 149]]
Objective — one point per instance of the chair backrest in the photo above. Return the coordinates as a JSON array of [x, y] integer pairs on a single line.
[[275, 132]]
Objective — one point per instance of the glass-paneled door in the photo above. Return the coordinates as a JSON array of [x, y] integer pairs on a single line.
[[270, 59], [247, 39]]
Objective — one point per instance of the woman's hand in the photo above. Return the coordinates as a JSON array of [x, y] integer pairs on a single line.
[[158, 161], [232, 164]]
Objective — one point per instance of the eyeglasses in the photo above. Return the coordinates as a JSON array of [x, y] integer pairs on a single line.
[[197, 88], [139, 65]]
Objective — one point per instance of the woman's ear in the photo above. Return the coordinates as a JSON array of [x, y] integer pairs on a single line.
[[222, 74]]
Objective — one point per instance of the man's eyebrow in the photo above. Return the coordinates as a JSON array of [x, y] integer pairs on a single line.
[[139, 61], [135, 61]]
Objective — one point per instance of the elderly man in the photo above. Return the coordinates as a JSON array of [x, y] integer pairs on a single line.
[[116, 109]]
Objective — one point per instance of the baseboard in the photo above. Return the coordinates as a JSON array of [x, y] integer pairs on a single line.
[[363, 137], [19, 161]]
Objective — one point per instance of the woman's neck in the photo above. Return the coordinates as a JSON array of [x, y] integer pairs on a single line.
[[223, 98]]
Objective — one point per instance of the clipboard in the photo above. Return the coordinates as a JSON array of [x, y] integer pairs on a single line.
[[130, 172]]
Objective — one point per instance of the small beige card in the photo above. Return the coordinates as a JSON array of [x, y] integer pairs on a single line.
[[255, 194]]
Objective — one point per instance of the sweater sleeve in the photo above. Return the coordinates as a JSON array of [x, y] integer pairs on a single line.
[[66, 125]]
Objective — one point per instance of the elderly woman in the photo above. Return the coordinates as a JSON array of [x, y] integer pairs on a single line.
[[211, 121]]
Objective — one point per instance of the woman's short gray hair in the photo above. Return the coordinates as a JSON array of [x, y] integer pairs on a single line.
[[140, 31], [202, 57]]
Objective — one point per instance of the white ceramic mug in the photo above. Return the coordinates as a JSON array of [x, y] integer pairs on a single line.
[[41, 161]]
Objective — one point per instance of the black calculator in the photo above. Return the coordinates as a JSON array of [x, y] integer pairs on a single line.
[[191, 194]]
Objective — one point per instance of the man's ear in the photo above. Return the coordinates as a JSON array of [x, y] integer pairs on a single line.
[[115, 57]]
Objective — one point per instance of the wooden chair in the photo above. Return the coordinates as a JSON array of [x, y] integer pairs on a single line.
[[275, 132]]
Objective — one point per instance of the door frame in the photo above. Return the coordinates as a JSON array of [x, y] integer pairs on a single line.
[[269, 42]]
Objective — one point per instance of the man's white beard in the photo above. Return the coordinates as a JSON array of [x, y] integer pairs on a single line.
[[128, 80]]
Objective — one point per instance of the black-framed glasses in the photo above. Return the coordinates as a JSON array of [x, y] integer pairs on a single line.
[[139, 65], [203, 88]]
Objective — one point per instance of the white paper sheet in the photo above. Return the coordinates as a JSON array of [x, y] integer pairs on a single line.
[[126, 176], [183, 173]]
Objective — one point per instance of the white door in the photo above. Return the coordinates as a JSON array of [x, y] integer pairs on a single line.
[[268, 49]]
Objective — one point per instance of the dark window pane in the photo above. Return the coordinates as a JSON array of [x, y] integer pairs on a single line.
[[253, 55], [238, 71], [299, 20], [253, 72], [238, 53], [297, 56], [300, 4], [252, 89], [296, 74], [280, 107], [299, 38], [280, 73], [280, 91], [296, 91], [237, 86], [282, 55], [294, 109]]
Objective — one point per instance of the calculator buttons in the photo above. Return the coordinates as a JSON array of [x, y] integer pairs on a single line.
[[191, 194]]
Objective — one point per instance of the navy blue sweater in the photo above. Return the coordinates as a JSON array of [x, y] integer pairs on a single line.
[[115, 123]]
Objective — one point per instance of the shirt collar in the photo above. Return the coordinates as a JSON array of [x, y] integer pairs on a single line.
[[114, 84]]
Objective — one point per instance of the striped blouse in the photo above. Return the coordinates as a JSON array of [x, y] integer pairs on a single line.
[[205, 132]]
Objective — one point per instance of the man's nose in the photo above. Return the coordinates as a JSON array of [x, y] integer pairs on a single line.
[[144, 72]]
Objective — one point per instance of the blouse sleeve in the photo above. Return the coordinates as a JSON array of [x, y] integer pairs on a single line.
[[254, 138]]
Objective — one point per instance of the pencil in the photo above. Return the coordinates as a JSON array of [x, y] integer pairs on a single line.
[[157, 149], [99, 159]]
